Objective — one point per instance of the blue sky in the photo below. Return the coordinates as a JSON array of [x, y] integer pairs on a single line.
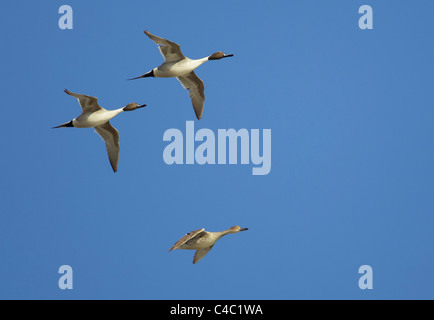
[[352, 176]]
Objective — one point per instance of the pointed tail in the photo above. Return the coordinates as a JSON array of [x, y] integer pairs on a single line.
[[66, 124], [146, 75]]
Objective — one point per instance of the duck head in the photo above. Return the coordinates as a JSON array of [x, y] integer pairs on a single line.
[[133, 106], [236, 229], [219, 55]]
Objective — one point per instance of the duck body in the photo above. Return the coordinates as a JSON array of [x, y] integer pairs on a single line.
[[178, 68], [94, 116], [202, 241], [176, 65], [94, 119]]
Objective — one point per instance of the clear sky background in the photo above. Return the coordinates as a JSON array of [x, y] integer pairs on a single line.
[[352, 178]]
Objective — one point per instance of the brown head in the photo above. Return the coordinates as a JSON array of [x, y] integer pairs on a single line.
[[236, 229], [219, 55], [133, 106]]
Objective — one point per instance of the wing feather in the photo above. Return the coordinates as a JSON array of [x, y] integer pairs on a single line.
[[185, 238], [87, 103], [111, 138], [200, 253], [170, 51], [196, 90]]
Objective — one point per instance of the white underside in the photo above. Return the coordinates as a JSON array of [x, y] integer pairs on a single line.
[[97, 118], [177, 68]]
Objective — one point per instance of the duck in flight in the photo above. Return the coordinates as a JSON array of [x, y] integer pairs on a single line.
[[94, 116], [202, 241], [177, 65]]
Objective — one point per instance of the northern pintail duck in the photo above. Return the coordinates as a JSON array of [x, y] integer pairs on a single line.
[[181, 67], [94, 116], [202, 241]]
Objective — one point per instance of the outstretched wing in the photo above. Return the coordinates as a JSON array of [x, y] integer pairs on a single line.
[[111, 138], [185, 238], [87, 103], [200, 253], [196, 90], [171, 51]]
